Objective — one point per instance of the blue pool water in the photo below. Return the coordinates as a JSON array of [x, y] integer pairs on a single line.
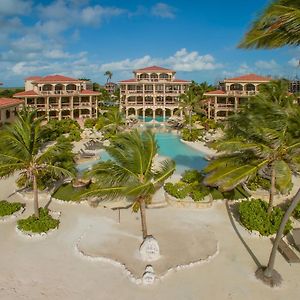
[[169, 146], [149, 119]]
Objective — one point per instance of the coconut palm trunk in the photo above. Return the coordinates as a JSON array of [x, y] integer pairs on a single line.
[[190, 119], [268, 273], [272, 190], [143, 217], [35, 197]]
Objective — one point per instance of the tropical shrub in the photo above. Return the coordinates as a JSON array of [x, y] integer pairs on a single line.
[[190, 135], [38, 225], [90, 123], [100, 123], [191, 184], [56, 128], [254, 216], [8, 208], [191, 176], [179, 190]]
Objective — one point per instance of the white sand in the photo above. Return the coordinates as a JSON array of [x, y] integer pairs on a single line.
[[200, 146], [50, 268]]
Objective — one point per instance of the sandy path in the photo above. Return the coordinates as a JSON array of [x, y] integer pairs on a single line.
[[51, 269]]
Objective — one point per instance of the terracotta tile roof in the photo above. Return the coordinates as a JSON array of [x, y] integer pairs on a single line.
[[56, 78], [33, 78], [8, 102], [89, 92], [129, 80], [26, 93], [216, 92], [180, 80], [153, 68], [249, 77]]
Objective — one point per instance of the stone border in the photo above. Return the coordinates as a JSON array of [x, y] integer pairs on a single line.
[[42, 235], [129, 274], [13, 216], [59, 201], [188, 202]]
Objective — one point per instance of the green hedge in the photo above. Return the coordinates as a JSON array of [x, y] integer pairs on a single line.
[[43, 224], [191, 185], [8, 208], [253, 215]]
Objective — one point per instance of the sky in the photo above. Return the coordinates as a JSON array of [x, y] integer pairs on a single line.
[[85, 38]]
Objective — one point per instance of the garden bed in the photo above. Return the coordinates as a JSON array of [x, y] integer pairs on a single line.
[[188, 202], [32, 227], [10, 210]]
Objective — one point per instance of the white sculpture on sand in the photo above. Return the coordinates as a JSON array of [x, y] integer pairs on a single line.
[[149, 249]]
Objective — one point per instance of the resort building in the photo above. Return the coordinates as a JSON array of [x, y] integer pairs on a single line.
[[8, 109], [111, 87], [232, 93], [153, 93], [295, 86], [60, 97]]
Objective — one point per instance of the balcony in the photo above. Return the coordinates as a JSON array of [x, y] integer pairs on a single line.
[[242, 93], [62, 92]]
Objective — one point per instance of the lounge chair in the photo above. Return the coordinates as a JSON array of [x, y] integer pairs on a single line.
[[86, 154], [296, 237], [287, 252]]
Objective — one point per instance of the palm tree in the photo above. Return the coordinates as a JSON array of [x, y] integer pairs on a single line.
[[109, 75], [258, 140], [22, 151], [114, 120], [131, 173], [277, 26], [187, 102]]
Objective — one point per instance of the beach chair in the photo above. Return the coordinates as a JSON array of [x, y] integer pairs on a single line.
[[296, 237], [287, 252]]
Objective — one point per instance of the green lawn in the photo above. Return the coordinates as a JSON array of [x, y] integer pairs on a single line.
[[67, 193]]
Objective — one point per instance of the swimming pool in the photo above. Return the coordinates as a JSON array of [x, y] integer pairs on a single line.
[[157, 119], [170, 146]]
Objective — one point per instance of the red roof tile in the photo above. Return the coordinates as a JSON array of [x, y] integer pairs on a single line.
[[56, 78], [26, 93], [153, 68], [33, 78], [89, 92], [249, 77], [129, 80], [216, 92], [180, 80], [8, 102]]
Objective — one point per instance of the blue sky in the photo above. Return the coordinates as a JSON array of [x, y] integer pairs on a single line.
[[84, 38]]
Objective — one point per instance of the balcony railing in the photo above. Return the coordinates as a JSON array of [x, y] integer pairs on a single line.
[[60, 92], [242, 93]]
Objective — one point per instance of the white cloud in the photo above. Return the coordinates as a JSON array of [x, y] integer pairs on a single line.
[[15, 7], [267, 65], [93, 15], [128, 64], [182, 60], [163, 10], [294, 62]]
